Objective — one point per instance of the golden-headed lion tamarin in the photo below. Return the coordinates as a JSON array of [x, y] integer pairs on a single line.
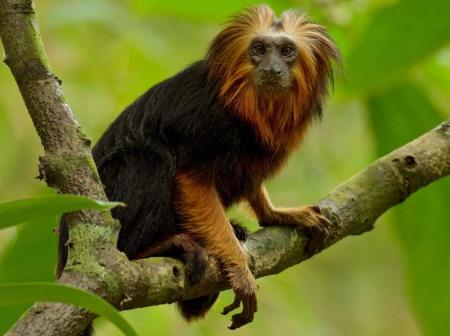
[[195, 144]]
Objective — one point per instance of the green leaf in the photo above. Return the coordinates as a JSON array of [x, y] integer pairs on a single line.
[[398, 37], [16, 212], [421, 223], [29, 257], [12, 294]]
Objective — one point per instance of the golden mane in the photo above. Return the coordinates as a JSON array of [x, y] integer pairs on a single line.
[[272, 114]]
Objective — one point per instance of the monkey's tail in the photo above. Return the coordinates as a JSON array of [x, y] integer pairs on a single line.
[[195, 309]]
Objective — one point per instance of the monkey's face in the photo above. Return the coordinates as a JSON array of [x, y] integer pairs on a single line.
[[273, 57], [260, 53]]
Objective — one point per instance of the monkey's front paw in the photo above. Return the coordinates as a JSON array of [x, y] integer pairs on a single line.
[[309, 219], [316, 228], [245, 293]]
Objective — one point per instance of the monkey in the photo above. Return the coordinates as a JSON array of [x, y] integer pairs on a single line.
[[209, 137]]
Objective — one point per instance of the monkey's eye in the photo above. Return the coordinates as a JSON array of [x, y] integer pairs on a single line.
[[259, 49], [287, 51]]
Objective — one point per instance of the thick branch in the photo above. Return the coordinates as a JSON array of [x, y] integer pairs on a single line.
[[94, 262], [67, 165]]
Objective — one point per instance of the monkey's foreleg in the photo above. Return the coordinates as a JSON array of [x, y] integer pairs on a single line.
[[204, 217], [308, 218]]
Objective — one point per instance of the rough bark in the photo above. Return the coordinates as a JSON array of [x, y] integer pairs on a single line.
[[95, 264], [67, 165]]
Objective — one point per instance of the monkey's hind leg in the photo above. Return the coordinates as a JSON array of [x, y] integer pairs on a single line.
[[182, 246], [308, 218]]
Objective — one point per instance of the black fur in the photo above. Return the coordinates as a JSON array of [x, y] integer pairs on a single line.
[[196, 308], [240, 231], [178, 124]]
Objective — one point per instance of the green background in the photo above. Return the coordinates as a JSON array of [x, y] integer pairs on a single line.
[[393, 86]]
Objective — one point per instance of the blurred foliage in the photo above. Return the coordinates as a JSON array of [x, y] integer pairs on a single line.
[[424, 232], [395, 86], [398, 37]]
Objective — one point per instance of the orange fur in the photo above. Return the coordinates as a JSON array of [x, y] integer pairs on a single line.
[[279, 118], [204, 217]]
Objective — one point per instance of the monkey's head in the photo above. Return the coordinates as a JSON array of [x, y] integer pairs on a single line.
[[258, 55]]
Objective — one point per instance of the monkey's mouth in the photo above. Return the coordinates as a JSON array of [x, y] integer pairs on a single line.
[[271, 83]]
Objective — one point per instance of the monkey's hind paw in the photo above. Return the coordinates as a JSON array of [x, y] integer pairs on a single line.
[[181, 246]]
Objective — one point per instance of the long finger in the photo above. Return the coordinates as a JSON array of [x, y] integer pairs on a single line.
[[236, 303], [247, 314]]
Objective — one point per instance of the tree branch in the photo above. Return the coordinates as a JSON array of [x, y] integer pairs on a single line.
[[67, 165], [95, 264], [352, 208]]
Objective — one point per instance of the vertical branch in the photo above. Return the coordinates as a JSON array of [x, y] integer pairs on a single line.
[[66, 166]]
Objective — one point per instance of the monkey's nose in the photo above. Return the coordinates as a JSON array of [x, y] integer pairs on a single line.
[[278, 73], [273, 72]]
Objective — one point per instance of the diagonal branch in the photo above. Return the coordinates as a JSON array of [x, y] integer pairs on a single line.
[[95, 264], [353, 207]]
